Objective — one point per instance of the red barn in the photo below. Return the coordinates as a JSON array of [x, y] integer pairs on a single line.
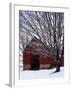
[[35, 56]]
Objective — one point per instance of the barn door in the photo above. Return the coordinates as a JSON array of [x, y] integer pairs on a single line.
[[35, 62]]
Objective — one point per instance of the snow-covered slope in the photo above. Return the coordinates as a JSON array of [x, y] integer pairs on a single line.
[[40, 74]]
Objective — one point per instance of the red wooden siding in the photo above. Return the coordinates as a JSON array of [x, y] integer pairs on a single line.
[[44, 61]]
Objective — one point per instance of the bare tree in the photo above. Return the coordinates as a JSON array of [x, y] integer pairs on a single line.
[[46, 26]]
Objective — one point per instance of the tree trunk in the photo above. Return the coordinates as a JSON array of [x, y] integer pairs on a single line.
[[57, 68], [58, 62]]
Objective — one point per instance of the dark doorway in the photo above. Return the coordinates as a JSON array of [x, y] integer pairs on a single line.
[[35, 62]]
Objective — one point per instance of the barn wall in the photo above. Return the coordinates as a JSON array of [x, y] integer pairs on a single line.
[[45, 62], [27, 59], [62, 61], [44, 66]]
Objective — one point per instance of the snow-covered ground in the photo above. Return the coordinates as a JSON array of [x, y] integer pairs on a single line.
[[40, 74]]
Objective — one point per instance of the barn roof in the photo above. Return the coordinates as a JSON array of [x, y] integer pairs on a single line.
[[36, 46]]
